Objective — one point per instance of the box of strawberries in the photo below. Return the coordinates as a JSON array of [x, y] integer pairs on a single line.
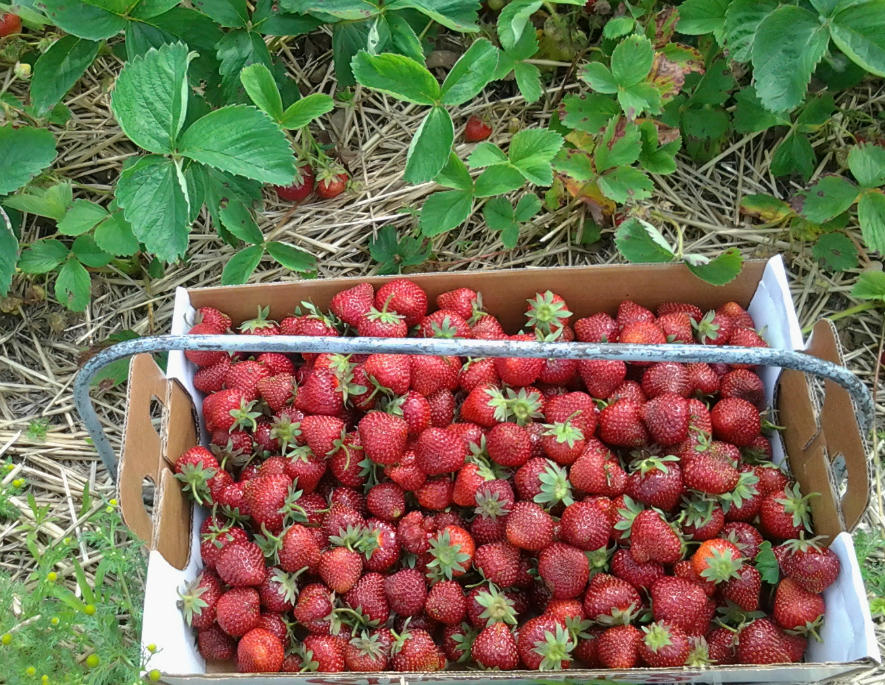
[[378, 518]]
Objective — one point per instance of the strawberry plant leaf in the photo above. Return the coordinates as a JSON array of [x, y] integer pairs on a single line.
[[867, 165], [455, 174], [513, 20], [87, 251], [527, 207], [588, 113], [622, 151], [237, 219], [81, 217], [378, 36], [73, 286], [291, 257], [498, 213], [858, 29], [52, 202], [794, 154], [715, 85], [114, 235], [575, 164], [262, 90], [789, 43], [396, 75], [655, 158], [458, 15], [219, 186], [871, 216], [24, 153], [617, 27], [82, 20], [8, 252], [430, 147], [827, 198], [242, 265], [232, 14], [528, 80], [698, 17], [766, 564], [599, 78], [443, 211], [42, 256], [348, 39], [632, 60], [299, 114], [742, 19], [835, 251], [471, 73], [639, 98], [497, 180], [705, 122], [486, 154], [525, 47], [148, 9], [638, 241], [816, 112], [186, 25], [870, 285], [58, 69], [343, 10], [721, 270], [235, 51], [153, 195], [532, 151], [393, 254], [405, 40], [625, 183], [150, 98], [826, 7], [767, 208], [268, 20], [751, 117], [240, 140]]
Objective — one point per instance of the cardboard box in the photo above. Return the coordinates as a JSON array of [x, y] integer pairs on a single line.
[[827, 454]]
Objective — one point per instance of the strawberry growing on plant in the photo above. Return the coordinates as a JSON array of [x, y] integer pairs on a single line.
[[476, 130]]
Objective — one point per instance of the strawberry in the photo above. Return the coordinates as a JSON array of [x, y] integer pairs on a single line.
[[601, 376], [241, 564], [746, 337], [204, 358], [642, 333], [463, 301], [487, 328], [547, 312], [652, 539], [744, 588], [446, 603], [519, 371], [302, 186], [738, 314], [451, 553], [629, 312], [196, 468], [341, 567], [383, 437], [477, 372], [415, 650], [209, 379], [245, 375], [276, 391], [212, 317], [563, 442], [367, 598], [717, 560], [702, 379], [564, 569], [305, 469], [736, 421], [444, 324], [215, 534], [544, 644], [216, 645], [711, 473], [744, 384], [197, 602], [380, 545], [469, 478], [495, 648], [620, 424], [487, 530], [809, 564], [406, 591], [440, 451], [771, 478], [476, 130], [415, 531], [703, 519], [785, 514], [276, 625], [485, 406], [259, 651], [271, 500], [389, 371], [228, 410], [745, 536], [596, 472], [369, 652], [353, 304], [666, 377], [321, 393], [597, 328], [693, 311], [386, 501], [797, 609], [509, 444], [278, 592], [332, 186], [677, 327], [299, 550], [404, 297], [761, 642], [584, 525], [260, 325], [314, 608], [326, 652], [610, 600], [406, 472], [442, 408], [664, 646], [430, 373], [381, 323], [529, 526], [796, 646], [238, 611], [587, 648], [321, 433], [618, 647], [498, 562], [640, 576], [721, 646], [657, 481], [677, 601], [494, 498]]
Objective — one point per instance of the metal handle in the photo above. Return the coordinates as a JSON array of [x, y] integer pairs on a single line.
[[761, 356]]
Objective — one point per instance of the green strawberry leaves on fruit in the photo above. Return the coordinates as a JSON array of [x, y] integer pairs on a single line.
[[766, 564]]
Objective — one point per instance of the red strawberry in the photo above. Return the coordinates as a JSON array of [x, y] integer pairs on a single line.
[[714, 329], [380, 545], [238, 611], [446, 603], [215, 534], [440, 451], [563, 442], [277, 363], [529, 526], [498, 562], [341, 567], [652, 539], [381, 323], [680, 307], [809, 564], [486, 530], [390, 371], [260, 651], [404, 297], [544, 644], [228, 410], [630, 312], [596, 328], [212, 317], [618, 647], [383, 437], [519, 371], [369, 652], [596, 472], [197, 602], [585, 526], [204, 358], [444, 324], [547, 312], [703, 519], [495, 648], [326, 651], [610, 600], [601, 377], [509, 444], [564, 569], [301, 188], [761, 642], [270, 500], [717, 560], [478, 372], [442, 408], [487, 328], [796, 646], [321, 393], [721, 646], [386, 501], [299, 550], [559, 372], [785, 514], [430, 373], [274, 624], [367, 598], [260, 325], [241, 564], [476, 130], [710, 472], [703, 379], [628, 390], [620, 424], [642, 333], [666, 377], [406, 472], [677, 327], [415, 650], [640, 576], [744, 589], [406, 591], [681, 603], [738, 314], [469, 478], [321, 433], [587, 648], [746, 337], [216, 645], [277, 391], [462, 301], [797, 609], [305, 469], [745, 536], [736, 421], [313, 609], [744, 384], [353, 304], [664, 646], [209, 379], [196, 468], [485, 406], [657, 481], [278, 592], [245, 375]]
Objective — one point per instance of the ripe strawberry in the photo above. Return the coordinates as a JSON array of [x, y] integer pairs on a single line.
[[228, 410], [404, 297], [717, 560], [677, 327], [415, 650], [381, 323], [353, 304], [679, 602], [477, 372], [476, 130], [321, 433], [693, 311], [415, 531], [736, 421], [738, 314], [796, 646], [545, 644], [487, 328], [196, 468], [444, 324], [498, 562], [559, 372], [618, 647], [596, 472], [341, 567], [809, 564], [278, 592], [442, 408], [386, 501], [628, 390], [245, 375], [487, 530], [563, 442], [721, 646], [509, 444], [703, 519], [652, 539], [746, 337], [564, 569], [711, 473], [666, 377], [463, 301], [519, 371], [216, 645], [383, 437], [430, 373], [302, 186], [274, 624], [664, 646], [260, 651], [547, 312], [620, 424], [601, 377], [238, 611], [204, 358], [657, 481], [596, 328], [584, 525], [494, 498], [321, 393], [210, 379], [406, 472], [367, 598], [587, 648], [640, 576], [260, 325], [642, 333], [469, 478], [745, 536], [241, 564], [610, 600], [276, 391], [326, 651], [380, 545], [629, 312], [299, 550], [744, 384], [785, 514], [495, 648], [446, 603], [761, 642], [714, 329], [270, 500], [440, 451], [197, 602], [305, 469], [744, 589], [485, 406], [797, 609], [369, 652], [390, 371], [314, 608], [703, 379], [215, 534], [406, 591], [529, 526]]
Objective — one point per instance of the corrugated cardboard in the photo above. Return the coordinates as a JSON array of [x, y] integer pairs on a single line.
[[826, 452]]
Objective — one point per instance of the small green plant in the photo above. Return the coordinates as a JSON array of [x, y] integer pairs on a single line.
[[395, 254], [869, 548]]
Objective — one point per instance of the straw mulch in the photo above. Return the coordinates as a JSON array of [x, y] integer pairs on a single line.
[[41, 345]]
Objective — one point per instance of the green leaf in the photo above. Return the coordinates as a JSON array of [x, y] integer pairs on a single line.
[[498, 213], [827, 198], [632, 60], [114, 235], [8, 252], [624, 184], [721, 270], [188, 26], [816, 112], [624, 150], [705, 122], [24, 153], [742, 20], [471, 73], [241, 265], [639, 241], [617, 27], [458, 15], [766, 564], [52, 202], [455, 174], [639, 98], [404, 38], [73, 286], [715, 85], [219, 187], [430, 147], [835, 251], [42, 256], [238, 219], [867, 164], [268, 20], [527, 207], [393, 254], [58, 69], [528, 80], [243, 141], [599, 77], [789, 43], [148, 9], [444, 211], [231, 14], [871, 216], [497, 180], [345, 10], [513, 20], [486, 154], [767, 208], [532, 150], [300, 114], [396, 75], [235, 51], [589, 113], [751, 117], [378, 37], [870, 286], [826, 7], [262, 90], [698, 17], [347, 40], [150, 98], [654, 158], [574, 163], [859, 31], [525, 47], [82, 20], [81, 217], [794, 154], [87, 251], [291, 257], [838, 72], [153, 195]]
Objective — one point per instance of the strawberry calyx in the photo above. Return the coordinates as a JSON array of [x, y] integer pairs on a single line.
[[657, 636], [555, 647], [287, 582], [369, 645], [190, 601], [697, 512], [732, 617], [445, 329], [292, 511], [647, 464], [522, 406], [744, 490], [357, 618], [351, 539], [499, 404], [797, 505], [196, 480], [312, 312], [286, 431], [228, 456], [810, 629], [259, 323], [721, 564], [627, 513], [803, 544], [244, 417], [448, 559], [705, 328], [477, 310], [598, 559], [497, 607], [699, 655], [270, 545], [545, 312], [555, 487], [565, 432], [489, 504], [465, 641]]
